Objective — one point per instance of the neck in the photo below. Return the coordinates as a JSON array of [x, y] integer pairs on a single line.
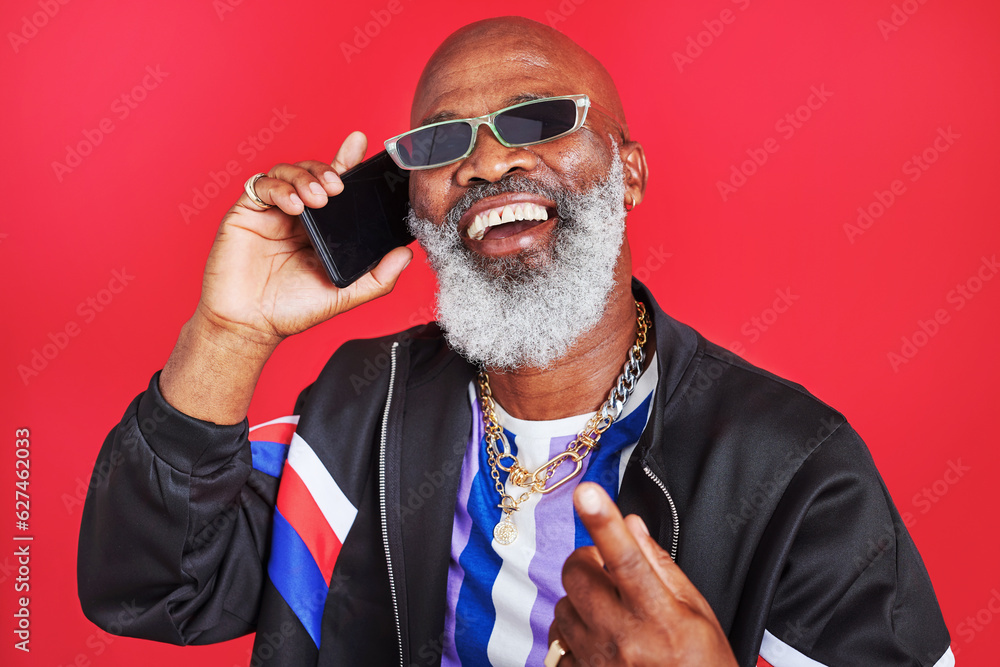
[[580, 381]]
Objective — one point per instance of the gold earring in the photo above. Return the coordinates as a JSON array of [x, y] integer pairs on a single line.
[[631, 205]]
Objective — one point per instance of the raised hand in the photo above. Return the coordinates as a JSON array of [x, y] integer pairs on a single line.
[[627, 602], [263, 282]]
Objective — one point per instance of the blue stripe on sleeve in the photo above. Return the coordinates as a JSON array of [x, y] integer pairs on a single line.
[[268, 457], [294, 572]]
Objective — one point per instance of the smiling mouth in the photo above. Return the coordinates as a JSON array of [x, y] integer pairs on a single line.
[[503, 221]]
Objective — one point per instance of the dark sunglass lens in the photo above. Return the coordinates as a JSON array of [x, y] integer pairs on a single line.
[[537, 122], [435, 145]]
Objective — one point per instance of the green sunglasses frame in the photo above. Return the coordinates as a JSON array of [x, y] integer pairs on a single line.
[[583, 105]]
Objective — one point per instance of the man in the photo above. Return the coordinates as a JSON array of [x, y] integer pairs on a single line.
[[427, 516]]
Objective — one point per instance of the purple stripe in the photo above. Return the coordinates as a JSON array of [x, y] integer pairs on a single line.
[[555, 538], [460, 535]]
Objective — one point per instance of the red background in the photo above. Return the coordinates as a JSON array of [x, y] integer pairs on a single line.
[[712, 263]]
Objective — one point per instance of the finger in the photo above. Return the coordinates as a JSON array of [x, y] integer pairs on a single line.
[[569, 627], [301, 181], [274, 192], [590, 589], [626, 563], [351, 152], [669, 573], [377, 282], [554, 635], [324, 174]]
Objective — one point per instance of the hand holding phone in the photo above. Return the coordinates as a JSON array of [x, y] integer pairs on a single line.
[[364, 222]]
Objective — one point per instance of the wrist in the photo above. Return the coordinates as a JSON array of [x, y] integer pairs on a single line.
[[227, 336], [213, 370]]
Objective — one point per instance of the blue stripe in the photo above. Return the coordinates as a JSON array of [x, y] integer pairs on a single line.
[[475, 612], [297, 577], [268, 457], [605, 464]]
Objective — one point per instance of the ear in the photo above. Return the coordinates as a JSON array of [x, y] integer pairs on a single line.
[[636, 171]]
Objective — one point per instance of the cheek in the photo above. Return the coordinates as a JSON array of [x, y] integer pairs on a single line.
[[581, 164], [429, 194]]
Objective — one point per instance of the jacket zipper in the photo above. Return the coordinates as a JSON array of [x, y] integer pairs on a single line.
[[381, 497], [673, 511]]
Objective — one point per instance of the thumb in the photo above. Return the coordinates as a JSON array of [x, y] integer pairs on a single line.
[[377, 282]]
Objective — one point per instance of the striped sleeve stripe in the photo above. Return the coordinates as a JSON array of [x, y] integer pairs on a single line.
[[269, 444], [304, 515], [276, 430], [295, 575], [776, 653], [268, 457], [946, 660], [336, 508], [311, 522]]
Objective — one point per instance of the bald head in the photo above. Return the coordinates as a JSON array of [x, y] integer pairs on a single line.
[[512, 54]]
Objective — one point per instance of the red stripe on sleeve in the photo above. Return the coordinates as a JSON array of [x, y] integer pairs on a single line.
[[297, 505], [280, 433]]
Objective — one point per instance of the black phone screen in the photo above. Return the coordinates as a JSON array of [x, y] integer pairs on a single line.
[[364, 222]]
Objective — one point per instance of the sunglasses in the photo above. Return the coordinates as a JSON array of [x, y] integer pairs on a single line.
[[524, 124]]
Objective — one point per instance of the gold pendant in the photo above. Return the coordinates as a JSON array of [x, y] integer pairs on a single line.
[[505, 532]]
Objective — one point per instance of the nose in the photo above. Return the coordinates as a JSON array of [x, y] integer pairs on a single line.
[[490, 160]]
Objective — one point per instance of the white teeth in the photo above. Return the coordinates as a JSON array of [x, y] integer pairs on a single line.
[[504, 214]]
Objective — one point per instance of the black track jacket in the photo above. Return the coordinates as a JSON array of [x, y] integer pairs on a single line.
[[780, 518]]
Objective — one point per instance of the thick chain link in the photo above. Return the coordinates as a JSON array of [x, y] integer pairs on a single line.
[[577, 450]]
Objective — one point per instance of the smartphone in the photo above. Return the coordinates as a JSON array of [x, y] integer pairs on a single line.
[[356, 228]]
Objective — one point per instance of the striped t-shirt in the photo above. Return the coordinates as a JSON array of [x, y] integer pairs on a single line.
[[501, 598]]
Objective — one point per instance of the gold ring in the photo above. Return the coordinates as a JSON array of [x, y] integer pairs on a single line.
[[555, 654], [248, 186]]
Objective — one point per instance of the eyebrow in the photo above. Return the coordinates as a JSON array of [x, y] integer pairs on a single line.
[[509, 102]]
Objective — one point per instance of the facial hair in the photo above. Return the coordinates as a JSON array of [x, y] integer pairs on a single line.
[[526, 310]]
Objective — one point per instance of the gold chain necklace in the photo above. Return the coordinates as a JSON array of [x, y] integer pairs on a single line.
[[586, 440]]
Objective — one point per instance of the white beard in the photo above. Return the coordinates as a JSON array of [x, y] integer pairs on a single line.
[[527, 310]]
